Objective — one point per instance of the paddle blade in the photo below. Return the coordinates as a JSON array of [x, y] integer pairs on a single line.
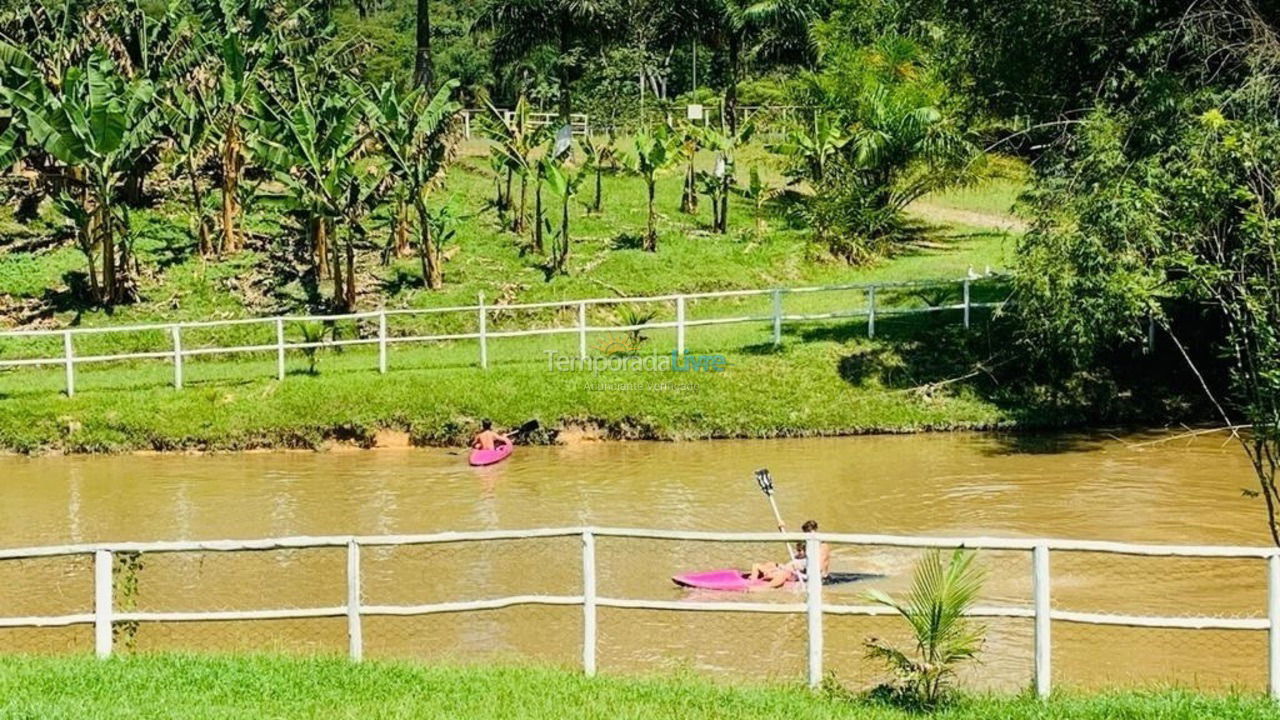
[[765, 481]]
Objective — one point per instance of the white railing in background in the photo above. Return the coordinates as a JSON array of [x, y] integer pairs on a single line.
[[104, 614], [579, 123], [176, 353]]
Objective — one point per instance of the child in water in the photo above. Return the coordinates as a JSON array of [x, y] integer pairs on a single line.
[[487, 439]]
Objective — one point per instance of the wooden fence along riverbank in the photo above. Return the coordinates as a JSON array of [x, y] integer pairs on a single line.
[[179, 351], [105, 612]]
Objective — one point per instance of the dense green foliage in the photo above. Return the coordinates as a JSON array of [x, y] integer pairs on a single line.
[[200, 688]]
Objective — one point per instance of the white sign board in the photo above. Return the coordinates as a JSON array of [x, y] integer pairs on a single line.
[[694, 112]]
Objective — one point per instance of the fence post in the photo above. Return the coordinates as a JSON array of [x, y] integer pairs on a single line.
[[355, 632], [582, 330], [176, 332], [484, 347], [588, 603], [871, 313], [680, 325], [102, 603], [813, 606], [1273, 634], [279, 348], [966, 303], [466, 124], [1040, 593], [69, 354], [382, 341], [777, 317]]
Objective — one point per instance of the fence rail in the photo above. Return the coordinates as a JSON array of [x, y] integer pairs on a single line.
[[105, 615], [176, 353]]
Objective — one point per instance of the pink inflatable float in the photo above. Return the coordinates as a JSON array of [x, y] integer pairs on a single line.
[[489, 457]]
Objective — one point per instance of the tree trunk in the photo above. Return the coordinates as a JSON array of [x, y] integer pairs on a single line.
[[596, 206], [724, 206], [349, 298], [203, 240], [651, 234], [537, 212], [517, 225], [231, 161], [107, 240], [317, 229], [562, 64], [563, 260], [689, 200], [423, 68], [731, 92], [339, 290], [432, 274], [400, 230]]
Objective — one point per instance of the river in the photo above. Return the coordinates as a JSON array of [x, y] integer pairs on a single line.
[[1067, 486]]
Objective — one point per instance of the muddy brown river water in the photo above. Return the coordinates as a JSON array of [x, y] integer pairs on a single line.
[[1070, 486]]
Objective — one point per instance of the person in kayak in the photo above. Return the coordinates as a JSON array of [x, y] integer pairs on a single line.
[[776, 575], [487, 439]]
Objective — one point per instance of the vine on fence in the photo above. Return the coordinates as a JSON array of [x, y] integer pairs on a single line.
[[128, 565]]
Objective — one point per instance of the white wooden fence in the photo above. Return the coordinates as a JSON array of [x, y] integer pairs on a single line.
[[1040, 611], [579, 123], [177, 353]]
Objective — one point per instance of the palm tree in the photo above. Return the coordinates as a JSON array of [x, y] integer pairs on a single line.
[[764, 29], [412, 129], [942, 594], [651, 153], [569, 25]]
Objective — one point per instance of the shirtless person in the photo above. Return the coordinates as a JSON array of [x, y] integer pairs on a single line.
[[776, 575], [487, 439]]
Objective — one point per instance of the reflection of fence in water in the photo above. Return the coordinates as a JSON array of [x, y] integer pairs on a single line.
[[1109, 614]]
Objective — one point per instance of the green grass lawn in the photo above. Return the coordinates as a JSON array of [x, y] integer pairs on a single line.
[[209, 688], [828, 378]]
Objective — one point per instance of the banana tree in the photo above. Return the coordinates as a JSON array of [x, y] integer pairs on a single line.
[[719, 182], [690, 142], [651, 153], [189, 130], [413, 132], [759, 193], [598, 153], [95, 123], [515, 137], [811, 151], [564, 182], [313, 143]]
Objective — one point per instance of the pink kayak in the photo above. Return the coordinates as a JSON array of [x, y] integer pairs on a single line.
[[489, 457], [731, 580]]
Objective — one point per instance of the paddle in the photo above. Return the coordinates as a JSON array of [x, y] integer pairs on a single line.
[[523, 429], [765, 481]]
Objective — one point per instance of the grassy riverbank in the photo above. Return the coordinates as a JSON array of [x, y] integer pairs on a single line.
[[828, 378], [205, 688]]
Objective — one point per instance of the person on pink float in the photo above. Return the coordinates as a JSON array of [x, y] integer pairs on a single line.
[[775, 575]]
